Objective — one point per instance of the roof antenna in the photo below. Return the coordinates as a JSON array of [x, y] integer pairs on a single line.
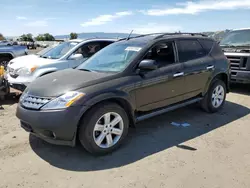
[[129, 35]]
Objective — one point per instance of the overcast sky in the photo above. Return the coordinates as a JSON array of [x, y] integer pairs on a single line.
[[143, 16]]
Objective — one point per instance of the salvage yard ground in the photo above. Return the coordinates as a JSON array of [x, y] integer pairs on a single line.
[[213, 152]]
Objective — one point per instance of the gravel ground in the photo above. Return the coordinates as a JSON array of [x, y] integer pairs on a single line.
[[211, 153]]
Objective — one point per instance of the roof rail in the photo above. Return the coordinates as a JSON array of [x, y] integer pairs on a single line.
[[140, 36], [192, 34], [160, 35]]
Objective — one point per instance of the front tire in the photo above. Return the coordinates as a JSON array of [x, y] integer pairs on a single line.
[[215, 98], [103, 128]]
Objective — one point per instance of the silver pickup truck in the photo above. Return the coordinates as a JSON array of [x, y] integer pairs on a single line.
[[9, 52]]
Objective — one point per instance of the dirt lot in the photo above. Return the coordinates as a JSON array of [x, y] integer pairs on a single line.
[[213, 152]]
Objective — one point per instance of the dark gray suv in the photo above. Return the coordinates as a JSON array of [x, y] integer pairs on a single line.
[[124, 83]]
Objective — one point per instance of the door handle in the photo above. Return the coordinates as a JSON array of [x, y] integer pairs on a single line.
[[210, 67], [178, 74]]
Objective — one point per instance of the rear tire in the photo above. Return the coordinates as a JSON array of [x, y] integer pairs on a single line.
[[215, 97], [103, 128]]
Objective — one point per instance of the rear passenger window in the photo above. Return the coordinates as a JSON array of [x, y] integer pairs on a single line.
[[206, 44], [189, 49]]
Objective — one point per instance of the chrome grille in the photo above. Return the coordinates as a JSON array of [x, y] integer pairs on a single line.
[[238, 62], [34, 102], [234, 62]]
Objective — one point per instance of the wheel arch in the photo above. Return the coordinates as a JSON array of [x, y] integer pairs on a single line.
[[120, 100], [9, 55], [221, 76]]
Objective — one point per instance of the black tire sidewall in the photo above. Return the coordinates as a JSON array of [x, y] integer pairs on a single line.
[[210, 92], [87, 126]]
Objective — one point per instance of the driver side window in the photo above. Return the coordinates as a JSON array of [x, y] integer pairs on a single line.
[[87, 50], [162, 53]]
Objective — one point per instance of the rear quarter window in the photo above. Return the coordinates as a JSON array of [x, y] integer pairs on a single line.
[[206, 44], [216, 50]]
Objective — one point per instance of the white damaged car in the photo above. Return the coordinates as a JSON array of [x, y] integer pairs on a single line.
[[21, 71]]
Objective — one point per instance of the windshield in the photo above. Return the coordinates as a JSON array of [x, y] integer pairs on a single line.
[[45, 50], [237, 38], [59, 51], [113, 58]]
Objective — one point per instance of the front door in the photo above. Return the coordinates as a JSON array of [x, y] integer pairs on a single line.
[[163, 86]]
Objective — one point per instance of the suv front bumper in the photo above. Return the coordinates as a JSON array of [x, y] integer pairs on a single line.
[[54, 126], [239, 76]]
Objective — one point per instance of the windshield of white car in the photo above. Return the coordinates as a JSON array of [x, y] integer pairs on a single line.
[[45, 50], [59, 51], [113, 58], [236, 38]]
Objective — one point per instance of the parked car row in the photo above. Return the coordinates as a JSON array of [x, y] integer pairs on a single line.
[[8, 52], [108, 86]]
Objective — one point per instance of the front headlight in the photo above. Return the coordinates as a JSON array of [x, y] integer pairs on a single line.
[[24, 95], [26, 71], [63, 101]]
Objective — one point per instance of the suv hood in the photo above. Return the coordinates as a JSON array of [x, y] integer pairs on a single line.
[[58, 83], [29, 60]]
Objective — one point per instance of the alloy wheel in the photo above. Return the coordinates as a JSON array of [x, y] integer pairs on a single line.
[[108, 130], [218, 96]]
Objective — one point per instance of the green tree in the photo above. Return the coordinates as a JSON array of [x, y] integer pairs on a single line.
[[45, 37], [26, 37], [40, 37], [73, 35], [29, 37], [23, 37], [1, 37], [48, 37]]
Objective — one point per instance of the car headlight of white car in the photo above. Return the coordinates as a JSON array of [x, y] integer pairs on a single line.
[[63, 101], [25, 71]]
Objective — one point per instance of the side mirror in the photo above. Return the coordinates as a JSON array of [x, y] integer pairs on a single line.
[[148, 64], [76, 57]]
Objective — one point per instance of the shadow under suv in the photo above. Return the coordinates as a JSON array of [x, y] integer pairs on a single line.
[[126, 82]]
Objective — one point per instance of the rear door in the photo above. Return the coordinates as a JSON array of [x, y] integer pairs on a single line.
[[198, 65]]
